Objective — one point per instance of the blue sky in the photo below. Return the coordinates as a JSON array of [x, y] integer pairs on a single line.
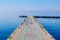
[[13, 6], [29, 5]]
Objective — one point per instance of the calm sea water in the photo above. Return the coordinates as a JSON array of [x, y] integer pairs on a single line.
[[8, 23], [52, 26]]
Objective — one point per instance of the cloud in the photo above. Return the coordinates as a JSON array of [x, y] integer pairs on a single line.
[[13, 9]]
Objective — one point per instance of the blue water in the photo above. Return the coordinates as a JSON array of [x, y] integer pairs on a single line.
[[52, 26], [9, 22]]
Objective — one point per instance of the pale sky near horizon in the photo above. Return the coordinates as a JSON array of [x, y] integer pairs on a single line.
[[7, 6]]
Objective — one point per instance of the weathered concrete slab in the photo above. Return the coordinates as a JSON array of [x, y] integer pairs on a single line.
[[30, 30]]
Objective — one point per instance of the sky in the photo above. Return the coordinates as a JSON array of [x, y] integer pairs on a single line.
[[15, 6], [18, 5]]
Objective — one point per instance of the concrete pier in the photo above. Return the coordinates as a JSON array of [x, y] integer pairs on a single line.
[[30, 29]]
